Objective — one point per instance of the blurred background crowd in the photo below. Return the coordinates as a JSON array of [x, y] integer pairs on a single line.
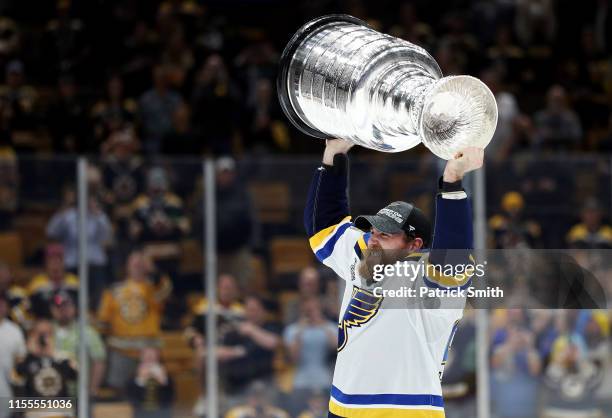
[[145, 89], [193, 77]]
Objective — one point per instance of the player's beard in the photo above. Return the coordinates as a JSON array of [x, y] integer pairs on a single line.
[[377, 256]]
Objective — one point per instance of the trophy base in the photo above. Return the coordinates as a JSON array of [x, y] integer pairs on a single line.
[[284, 64], [459, 112]]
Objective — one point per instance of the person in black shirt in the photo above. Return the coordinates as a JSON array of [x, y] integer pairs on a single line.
[[41, 373], [247, 352]]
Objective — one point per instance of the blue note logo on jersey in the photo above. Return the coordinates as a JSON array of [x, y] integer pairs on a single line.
[[362, 307]]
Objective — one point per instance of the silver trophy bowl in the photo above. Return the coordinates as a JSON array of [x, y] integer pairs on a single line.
[[341, 79]]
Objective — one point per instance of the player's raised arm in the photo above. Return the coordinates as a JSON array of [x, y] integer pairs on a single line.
[[453, 228], [326, 216], [327, 202]]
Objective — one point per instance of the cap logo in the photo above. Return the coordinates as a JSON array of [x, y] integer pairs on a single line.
[[397, 217], [411, 228]]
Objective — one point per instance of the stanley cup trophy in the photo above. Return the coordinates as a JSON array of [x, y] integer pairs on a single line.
[[340, 78]]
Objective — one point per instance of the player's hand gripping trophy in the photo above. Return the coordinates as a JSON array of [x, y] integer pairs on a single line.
[[339, 78]]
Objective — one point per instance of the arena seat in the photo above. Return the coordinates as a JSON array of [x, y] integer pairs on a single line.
[[289, 255], [191, 261], [259, 274], [176, 354], [271, 201], [286, 297], [32, 226], [112, 409], [11, 249], [186, 389]]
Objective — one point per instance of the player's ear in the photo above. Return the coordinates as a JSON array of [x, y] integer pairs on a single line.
[[416, 244]]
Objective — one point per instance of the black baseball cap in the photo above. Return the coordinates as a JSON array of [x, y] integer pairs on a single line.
[[398, 217]]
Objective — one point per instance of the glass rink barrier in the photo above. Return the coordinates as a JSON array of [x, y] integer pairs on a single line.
[[110, 266], [548, 229], [145, 308]]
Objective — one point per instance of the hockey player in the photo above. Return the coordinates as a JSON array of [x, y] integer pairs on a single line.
[[389, 361]]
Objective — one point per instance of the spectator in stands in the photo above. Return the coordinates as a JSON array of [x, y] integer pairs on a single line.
[[557, 126], [16, 296], [317, 405], [178, 56], [151, 391], [259, 60], [10, 37], [247, 351], [124, 177], [410, 27], [544, 187], [309, 287], [331, 296], [459, 384], [506, 54], [510, 228], [22, 100], [574, 372], [516, 366], [181, 140], [9, 175], [229, 311], [310, 341], [66, 44], [259, 404], [158, 221], [114, 112], [535, 22], [64, 228], [265, 129], [68, 120], [42, 373], [504, 138], [155, 109], [130, 316], [67, 338], [228, 307], [55, 277], [234, 222], [591, 232], [13, 349], [141, 48], [216, 107]]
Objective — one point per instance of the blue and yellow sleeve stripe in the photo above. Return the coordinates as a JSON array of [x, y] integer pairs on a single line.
[[324, 241], [362, 244]]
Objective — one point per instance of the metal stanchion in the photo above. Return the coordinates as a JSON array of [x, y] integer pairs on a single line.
[[83, 380], [210, 280], [482, 315]]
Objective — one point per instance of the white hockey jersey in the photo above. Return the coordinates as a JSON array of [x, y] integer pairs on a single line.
[[390, 361]]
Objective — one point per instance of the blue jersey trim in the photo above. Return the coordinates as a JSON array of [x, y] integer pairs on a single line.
[[387, 399]]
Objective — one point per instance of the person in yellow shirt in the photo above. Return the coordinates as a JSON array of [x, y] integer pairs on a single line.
[[591, 232], [54, 278], [510, 228], [130, 316]]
